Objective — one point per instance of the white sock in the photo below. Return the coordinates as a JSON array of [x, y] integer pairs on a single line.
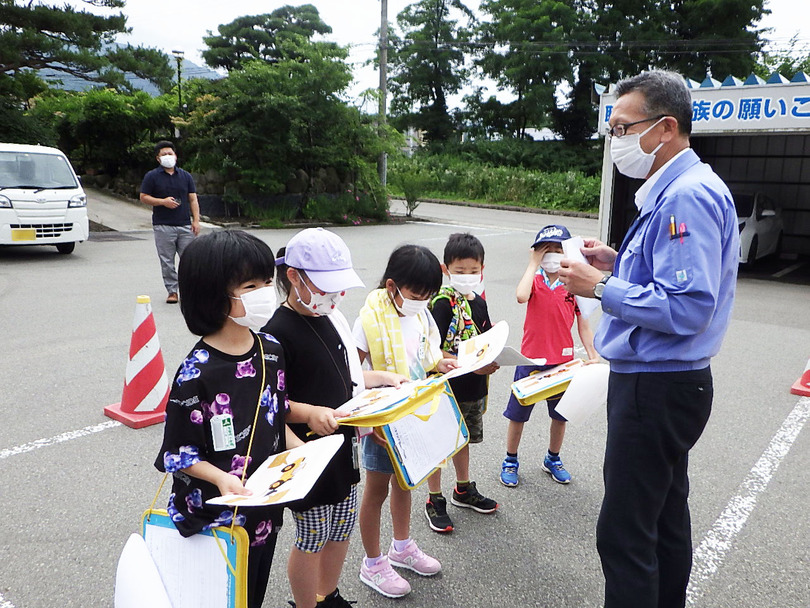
[[399, 545]]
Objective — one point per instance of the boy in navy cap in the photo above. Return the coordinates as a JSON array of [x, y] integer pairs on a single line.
[[550, 314]]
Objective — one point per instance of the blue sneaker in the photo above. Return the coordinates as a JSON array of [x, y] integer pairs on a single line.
[[509, 472], [556, 469]]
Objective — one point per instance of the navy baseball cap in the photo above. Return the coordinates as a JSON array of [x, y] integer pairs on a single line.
[[552, 234]]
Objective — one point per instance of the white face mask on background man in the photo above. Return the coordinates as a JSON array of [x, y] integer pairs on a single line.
[[628, 155], [259, 304], [168, 161]]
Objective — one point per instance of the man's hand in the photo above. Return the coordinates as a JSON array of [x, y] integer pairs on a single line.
[[195, 227], [599, 255], [170, 202], [579, 278]]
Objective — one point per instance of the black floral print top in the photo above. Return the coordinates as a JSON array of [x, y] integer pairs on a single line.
[[209, 383]]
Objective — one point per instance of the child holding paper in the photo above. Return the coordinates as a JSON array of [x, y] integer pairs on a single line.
[[550, 315], [396, 333], [228, 395], [323, 372], [461, 314]]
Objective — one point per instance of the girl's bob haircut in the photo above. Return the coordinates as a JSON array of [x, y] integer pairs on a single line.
[[211, 267], [414, 267]]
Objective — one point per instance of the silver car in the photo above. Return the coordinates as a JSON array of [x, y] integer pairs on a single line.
[[760, 222]]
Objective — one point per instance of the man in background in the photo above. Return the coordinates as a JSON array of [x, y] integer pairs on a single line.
[[171, 193]]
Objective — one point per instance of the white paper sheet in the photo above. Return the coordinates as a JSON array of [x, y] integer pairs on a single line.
[[286, 476], [480, 351], [572, 250], [586, 393], [423, 444], [510, 356], [137, 580], [192, 569]]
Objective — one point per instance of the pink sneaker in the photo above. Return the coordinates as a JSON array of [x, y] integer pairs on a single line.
[[414, 559], [382, 578]]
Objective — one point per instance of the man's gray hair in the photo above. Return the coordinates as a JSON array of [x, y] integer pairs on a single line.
[[664, 93]]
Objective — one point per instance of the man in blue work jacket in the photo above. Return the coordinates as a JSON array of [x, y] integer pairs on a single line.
[[666, 308]]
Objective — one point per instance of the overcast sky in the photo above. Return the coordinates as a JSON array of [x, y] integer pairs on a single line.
[[181, 24]]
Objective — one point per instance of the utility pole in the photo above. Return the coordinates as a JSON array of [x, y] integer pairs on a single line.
[[382, 164], [178, 56]]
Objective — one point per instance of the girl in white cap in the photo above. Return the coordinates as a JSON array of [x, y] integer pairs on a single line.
[[314, 271]]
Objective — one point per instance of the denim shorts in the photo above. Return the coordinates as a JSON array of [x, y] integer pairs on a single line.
[[375, 457], [521, 413]]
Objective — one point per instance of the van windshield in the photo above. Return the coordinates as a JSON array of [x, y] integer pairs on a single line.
[[25, 170]]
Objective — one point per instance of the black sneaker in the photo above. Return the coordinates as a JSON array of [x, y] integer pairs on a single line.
[[335, 601], [471, 498], [436, 513]]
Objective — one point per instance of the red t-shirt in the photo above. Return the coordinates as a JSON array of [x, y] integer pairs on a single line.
[[550, 314]]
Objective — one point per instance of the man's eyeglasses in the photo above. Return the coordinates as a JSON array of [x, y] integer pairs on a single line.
[[620, 129]]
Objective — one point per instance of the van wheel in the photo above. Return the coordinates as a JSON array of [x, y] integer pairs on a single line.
[[65, 248]]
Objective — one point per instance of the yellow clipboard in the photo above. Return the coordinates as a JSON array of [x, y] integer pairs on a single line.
[[210, 566], [421, 393], [539, 386], [454, 436]]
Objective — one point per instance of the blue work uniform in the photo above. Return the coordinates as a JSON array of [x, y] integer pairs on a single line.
[[665, 311]]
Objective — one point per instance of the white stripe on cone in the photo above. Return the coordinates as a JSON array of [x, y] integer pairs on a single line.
[[153, 400], [142, 358]]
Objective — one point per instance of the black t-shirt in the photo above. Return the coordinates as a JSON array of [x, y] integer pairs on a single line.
[[469, 387], [318, 374], [160, 184], [208, 383]]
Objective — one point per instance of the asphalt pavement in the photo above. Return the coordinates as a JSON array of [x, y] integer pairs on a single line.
[[75, 484]]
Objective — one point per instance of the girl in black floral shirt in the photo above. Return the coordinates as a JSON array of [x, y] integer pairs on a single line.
[[226, 294]]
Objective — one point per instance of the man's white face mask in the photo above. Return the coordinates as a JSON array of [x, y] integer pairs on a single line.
[[168, 161], [629, 157]]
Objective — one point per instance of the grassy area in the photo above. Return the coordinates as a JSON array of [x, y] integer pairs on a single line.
[[454, 178]]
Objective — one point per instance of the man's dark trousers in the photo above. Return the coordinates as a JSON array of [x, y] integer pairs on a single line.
[[644, 534]]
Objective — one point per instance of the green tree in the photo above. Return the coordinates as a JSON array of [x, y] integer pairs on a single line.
[[262, 37], [538, 49], [428, 64], [264, 123], [526, 53], [787, 61], [105, 130], [35, 36]]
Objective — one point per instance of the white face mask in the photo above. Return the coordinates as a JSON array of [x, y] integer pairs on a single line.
[[259, 304], [410, 308], [320, 304], [629, 157], [168, 161], [465, 284], [551, 262]]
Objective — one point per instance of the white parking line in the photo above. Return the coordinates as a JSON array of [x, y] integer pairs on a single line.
[[709, 555], [42, 443], [788, 270]]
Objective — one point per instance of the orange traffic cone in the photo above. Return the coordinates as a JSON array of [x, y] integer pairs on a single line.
[[802, 385], [146, 388]]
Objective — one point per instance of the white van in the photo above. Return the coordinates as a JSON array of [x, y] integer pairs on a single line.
[[41, 199]]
